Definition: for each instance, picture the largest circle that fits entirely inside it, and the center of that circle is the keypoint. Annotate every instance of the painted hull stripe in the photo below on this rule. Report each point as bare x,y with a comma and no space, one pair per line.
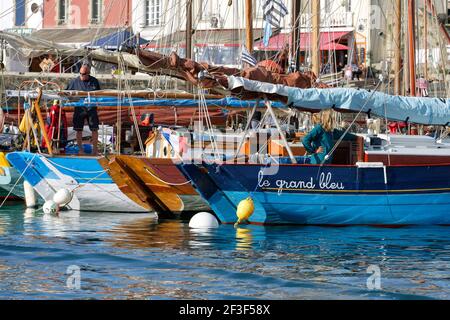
357,191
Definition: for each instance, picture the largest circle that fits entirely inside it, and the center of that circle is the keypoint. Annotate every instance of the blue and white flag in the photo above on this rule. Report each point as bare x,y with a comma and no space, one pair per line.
267,33
273,12
247,57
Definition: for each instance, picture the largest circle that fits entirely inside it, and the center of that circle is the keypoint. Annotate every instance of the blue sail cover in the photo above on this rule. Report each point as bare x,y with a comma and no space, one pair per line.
115,40
430,111
137,102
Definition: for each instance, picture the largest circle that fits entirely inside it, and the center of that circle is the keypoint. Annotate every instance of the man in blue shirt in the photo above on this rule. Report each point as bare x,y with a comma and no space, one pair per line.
85,82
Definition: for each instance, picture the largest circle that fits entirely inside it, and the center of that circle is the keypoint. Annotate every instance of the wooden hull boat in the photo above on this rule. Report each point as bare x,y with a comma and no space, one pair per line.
92,186
351,192
155,183
117,184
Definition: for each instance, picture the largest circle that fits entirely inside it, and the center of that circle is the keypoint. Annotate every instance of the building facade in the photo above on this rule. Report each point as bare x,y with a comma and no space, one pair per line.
219,28
352,31
80,14
78,22
22,17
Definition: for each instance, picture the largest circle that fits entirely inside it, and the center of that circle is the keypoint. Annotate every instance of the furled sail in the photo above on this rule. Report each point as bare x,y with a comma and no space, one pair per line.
430,111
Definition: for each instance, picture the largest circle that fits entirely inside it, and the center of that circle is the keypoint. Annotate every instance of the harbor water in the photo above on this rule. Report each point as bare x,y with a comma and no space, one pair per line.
126,256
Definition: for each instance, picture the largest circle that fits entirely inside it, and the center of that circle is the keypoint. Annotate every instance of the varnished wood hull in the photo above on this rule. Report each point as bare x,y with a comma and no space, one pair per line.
156,184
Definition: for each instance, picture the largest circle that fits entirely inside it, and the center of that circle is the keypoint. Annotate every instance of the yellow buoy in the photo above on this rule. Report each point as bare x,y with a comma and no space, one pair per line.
244,210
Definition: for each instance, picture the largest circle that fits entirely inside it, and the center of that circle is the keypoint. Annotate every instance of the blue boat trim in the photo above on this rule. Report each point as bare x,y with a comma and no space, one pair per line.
82,170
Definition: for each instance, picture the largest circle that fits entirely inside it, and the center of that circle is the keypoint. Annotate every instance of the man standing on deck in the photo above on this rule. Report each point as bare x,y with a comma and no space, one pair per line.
85,82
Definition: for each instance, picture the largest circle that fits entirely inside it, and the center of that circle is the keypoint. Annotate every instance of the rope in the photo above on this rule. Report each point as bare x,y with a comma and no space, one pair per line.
89,181
73,170
168,183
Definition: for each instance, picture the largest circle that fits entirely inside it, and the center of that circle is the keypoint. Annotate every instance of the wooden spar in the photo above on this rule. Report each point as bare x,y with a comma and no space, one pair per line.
37,109
398,47
189,29
188,37
405,86
249,25
137,94
425,38
295,36
412,47
315,37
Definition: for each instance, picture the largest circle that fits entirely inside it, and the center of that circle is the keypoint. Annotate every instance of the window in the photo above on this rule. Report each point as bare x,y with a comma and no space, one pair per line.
63,11
96,11
153,12
448,17
20,13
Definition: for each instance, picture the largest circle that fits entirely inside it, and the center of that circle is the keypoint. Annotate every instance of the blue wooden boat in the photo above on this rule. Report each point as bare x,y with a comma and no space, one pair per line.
327,195
359,193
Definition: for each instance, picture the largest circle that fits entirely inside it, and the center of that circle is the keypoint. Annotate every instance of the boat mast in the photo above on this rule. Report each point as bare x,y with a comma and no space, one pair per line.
249,25
425,37
398,47
315,54
295,36
189,36
188,29
412,47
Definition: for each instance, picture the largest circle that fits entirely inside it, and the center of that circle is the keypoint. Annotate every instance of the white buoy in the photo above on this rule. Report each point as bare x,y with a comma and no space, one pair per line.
62,197
203,220
50,207
30,195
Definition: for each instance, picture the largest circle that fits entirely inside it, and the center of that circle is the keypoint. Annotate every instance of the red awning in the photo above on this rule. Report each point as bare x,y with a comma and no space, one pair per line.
328,41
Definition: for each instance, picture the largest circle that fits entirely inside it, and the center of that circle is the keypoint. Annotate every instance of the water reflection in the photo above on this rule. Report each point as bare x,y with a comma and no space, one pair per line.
58,225
135,256
244,239
145,233
3,225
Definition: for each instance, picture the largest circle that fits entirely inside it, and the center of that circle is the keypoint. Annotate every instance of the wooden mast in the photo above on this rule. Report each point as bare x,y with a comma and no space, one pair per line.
398,47
188,36
315,49
412,47
425,37
249,25
189,29
295,36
